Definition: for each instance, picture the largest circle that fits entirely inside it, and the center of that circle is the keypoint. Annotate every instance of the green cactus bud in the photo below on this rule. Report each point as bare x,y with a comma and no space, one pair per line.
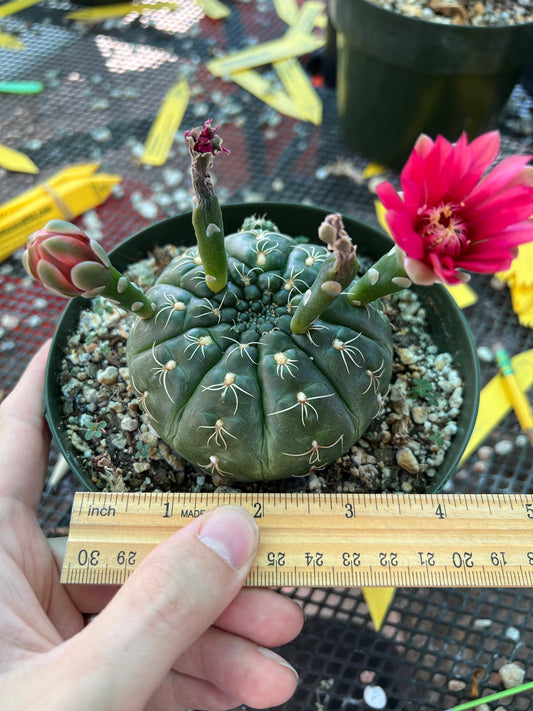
232,388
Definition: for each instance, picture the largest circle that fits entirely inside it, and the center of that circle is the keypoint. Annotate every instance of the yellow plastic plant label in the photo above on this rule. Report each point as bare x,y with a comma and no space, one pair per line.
25,200
256,84
287,10
104,12
16,161
463,295
265,53
307,18
213,9
166,124
10,42
66,200
519,278
378,601
10,8
494,403
299,90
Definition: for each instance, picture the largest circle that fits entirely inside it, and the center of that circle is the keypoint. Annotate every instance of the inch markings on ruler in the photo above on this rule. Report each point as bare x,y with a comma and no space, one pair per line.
321,540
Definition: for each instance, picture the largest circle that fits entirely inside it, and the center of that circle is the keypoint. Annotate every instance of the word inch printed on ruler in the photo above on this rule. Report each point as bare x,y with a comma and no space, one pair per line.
321,540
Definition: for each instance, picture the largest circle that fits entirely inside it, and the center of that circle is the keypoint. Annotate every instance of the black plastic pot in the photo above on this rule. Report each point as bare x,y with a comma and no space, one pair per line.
399,76
446,322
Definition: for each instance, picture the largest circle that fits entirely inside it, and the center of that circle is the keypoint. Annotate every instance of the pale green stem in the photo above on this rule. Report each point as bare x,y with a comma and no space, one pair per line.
207,223
336,273
386,276
114,286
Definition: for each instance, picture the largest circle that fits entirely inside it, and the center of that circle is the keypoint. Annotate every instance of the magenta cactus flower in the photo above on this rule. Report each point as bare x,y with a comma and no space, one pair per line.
453,214
68,263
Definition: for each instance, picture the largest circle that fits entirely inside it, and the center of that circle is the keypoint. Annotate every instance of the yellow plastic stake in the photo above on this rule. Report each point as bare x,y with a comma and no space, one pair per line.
378,601
287,10
10,8
59,198
10,42
166,124
266,53
256,84
104,12
213,9
299,89
16,161
494,403
307,18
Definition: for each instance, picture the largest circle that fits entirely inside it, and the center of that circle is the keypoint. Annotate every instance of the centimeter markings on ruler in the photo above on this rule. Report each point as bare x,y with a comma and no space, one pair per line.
321,540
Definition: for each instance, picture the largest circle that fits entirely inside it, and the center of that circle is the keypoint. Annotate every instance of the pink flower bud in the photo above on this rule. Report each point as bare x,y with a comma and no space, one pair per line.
59,252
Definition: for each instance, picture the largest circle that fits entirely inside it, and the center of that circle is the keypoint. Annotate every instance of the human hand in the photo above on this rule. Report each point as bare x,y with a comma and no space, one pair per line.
179,634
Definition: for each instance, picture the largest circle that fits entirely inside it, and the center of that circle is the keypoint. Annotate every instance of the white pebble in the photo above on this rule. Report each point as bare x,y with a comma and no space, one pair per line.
107,376
407,460
485,354
511,675
129,424
512,633
375,697
482,623
485,453
9,322
503,447
172,177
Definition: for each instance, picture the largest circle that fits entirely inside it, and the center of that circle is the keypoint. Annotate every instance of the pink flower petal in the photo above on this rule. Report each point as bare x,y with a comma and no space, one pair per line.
419,272
404,235
496,180
389,197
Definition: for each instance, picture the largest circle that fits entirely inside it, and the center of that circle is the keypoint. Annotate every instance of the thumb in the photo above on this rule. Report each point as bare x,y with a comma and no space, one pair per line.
175,594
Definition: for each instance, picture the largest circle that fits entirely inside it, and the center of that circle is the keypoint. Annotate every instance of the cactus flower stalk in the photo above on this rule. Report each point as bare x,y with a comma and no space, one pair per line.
204,145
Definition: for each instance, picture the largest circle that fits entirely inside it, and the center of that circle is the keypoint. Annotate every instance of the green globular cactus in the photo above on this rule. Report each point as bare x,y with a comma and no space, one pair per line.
232,387
254,355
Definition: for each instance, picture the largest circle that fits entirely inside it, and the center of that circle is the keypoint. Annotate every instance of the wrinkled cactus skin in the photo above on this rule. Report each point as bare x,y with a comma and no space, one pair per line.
228,385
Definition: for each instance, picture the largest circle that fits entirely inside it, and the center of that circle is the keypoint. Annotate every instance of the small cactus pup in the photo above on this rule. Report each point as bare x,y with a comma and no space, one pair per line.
249,359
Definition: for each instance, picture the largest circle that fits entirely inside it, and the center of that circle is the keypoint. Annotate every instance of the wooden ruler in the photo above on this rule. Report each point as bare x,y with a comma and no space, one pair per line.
322,540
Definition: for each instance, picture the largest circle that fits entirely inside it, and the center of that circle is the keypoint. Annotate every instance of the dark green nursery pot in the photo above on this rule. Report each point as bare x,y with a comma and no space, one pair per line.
398,77
447,324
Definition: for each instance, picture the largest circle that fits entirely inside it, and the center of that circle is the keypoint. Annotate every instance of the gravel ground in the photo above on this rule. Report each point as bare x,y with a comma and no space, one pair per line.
401,450
490,13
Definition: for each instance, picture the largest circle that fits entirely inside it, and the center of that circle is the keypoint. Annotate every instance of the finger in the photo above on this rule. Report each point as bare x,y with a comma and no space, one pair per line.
22,425
255,675
179,692
88,599
174,595
263,616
